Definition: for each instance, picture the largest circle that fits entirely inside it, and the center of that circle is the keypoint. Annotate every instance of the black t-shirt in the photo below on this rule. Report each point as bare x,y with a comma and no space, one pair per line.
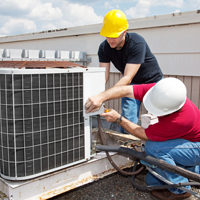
135,51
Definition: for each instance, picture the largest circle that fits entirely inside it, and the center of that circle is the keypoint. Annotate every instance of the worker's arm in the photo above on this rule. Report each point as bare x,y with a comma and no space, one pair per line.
107,66
132,128
129,73
94,103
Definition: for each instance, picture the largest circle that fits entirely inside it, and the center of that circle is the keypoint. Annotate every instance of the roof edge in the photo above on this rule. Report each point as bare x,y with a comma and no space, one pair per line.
180,18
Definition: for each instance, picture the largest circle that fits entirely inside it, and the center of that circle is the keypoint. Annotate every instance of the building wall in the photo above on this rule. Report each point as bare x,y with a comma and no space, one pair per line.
174,39
192,84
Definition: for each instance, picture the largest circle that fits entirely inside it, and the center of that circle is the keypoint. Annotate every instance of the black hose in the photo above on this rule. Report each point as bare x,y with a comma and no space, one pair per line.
151,160
147,188
109,157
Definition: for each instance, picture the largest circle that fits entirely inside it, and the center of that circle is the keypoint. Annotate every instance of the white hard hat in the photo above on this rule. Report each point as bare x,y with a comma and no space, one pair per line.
167,96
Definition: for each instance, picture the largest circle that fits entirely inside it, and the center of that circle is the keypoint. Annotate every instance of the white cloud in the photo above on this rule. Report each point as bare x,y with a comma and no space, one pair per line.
17,25
13,7
76,14
170,3
191,4
107,5
176,11
141,9
73,14
112,5
49,26
18,17
46,11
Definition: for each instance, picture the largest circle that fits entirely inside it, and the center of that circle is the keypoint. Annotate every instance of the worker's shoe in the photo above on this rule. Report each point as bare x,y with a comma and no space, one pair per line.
167,195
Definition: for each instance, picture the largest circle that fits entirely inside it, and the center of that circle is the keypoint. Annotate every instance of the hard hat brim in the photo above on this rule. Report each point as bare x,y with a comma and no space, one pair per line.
111,35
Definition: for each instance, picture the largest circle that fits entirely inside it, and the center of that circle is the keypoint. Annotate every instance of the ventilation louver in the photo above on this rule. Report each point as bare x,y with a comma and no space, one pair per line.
43,126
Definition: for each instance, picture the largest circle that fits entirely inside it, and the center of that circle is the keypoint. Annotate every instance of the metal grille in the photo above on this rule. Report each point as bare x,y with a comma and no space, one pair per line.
42,124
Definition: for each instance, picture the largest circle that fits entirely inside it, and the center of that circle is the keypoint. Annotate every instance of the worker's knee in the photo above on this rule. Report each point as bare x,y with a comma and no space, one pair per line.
152,147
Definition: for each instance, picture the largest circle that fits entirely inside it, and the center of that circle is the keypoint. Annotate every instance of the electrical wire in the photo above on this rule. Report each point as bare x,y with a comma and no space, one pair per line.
153,161
102,139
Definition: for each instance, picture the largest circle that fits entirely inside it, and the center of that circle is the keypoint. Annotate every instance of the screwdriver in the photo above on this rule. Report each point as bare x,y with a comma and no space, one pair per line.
106,110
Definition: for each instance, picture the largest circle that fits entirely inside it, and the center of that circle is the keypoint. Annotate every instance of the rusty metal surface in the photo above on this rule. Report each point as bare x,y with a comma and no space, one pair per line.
38,64
79,183
113,187
64,180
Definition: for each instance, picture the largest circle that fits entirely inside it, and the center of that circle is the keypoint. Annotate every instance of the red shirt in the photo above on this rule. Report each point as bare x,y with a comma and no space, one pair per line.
184,123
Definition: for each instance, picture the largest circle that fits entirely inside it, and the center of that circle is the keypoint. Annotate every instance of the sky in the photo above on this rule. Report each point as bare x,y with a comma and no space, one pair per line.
28,16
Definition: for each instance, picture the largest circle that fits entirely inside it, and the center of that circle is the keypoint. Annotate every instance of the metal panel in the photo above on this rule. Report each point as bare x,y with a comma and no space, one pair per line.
42,124
64,180
31,54
179,63
12,53
93,84
43,55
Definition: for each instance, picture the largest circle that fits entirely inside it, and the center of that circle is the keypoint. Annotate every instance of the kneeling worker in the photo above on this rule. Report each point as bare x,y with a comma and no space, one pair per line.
175,138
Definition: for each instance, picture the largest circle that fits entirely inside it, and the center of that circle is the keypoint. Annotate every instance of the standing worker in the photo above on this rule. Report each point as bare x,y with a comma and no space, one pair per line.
131,55
174,137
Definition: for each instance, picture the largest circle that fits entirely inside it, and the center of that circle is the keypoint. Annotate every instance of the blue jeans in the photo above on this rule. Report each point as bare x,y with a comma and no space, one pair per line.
177,152
130,110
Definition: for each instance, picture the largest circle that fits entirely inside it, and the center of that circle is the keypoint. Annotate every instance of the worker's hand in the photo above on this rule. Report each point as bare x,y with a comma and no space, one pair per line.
93,104
111,116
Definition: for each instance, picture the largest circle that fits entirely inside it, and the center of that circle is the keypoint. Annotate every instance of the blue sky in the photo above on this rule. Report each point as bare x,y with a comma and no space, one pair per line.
27,16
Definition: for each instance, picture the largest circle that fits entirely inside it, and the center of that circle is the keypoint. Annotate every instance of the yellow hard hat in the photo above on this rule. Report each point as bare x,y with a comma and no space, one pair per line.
114,24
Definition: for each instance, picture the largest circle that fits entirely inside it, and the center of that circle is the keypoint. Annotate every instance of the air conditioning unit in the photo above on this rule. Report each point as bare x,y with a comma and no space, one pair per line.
43,125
